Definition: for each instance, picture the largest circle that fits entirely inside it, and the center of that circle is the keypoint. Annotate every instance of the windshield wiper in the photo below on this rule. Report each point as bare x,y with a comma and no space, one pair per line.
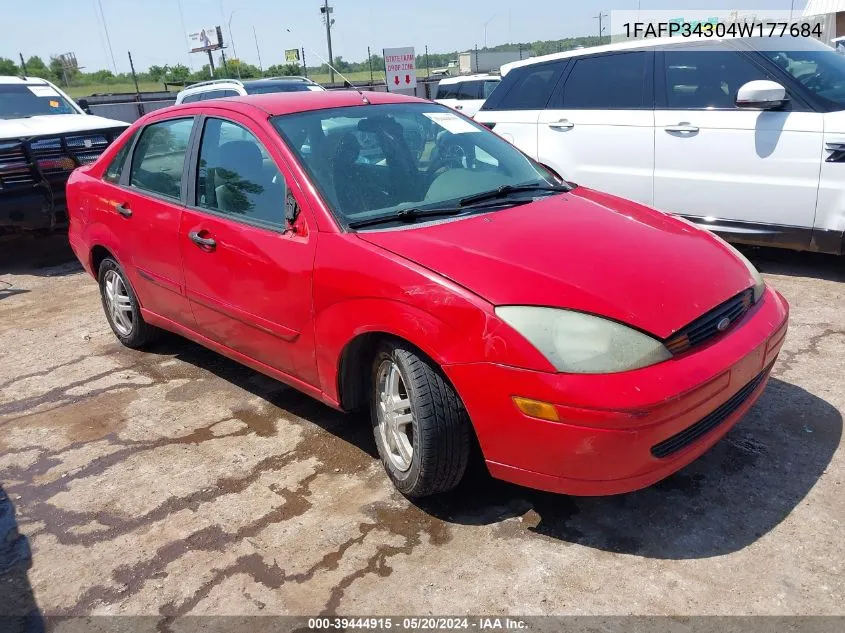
406,215
505,190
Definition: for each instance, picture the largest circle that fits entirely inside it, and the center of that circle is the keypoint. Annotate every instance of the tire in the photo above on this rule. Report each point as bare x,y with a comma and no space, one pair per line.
424,408
128,326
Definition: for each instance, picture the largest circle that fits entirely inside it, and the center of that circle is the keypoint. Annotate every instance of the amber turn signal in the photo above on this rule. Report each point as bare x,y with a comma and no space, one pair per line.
536,409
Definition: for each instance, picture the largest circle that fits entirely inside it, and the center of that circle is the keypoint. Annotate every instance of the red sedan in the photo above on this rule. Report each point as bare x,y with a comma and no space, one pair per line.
384,252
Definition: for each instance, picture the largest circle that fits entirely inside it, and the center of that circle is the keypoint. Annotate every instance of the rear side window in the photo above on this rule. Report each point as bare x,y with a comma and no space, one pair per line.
526,88
447,91
607,82
469,90
159,157
115,168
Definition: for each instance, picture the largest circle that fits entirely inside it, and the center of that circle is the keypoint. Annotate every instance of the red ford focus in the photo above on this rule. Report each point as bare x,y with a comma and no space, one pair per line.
385,252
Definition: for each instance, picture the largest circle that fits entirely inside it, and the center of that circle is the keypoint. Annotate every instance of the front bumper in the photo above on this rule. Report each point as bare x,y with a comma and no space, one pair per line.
39,206
613,426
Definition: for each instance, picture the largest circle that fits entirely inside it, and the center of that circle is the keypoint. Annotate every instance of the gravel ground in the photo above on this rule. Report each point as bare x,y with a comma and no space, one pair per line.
177,482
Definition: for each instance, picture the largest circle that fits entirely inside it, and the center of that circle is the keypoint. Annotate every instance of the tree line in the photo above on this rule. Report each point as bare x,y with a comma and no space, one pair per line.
179,73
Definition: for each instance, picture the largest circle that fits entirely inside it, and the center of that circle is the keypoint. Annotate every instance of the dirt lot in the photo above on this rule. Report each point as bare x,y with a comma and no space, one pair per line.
177,482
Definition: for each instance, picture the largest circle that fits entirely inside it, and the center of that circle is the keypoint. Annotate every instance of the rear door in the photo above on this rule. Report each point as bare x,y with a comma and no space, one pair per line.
470,97
447,94
598,129
248,279
145,211
512,110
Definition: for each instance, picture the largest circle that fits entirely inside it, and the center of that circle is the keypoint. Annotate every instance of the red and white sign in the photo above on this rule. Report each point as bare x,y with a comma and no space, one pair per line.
400,68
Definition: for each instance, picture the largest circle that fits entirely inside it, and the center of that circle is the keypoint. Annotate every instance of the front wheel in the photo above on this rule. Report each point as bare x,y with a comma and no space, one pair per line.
422,429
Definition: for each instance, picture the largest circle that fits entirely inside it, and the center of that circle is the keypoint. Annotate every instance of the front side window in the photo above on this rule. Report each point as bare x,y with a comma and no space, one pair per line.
197,96
469,90
18,101
820,69
606,82
379,160
237,177
706,79
447,91
159,157
489,87
115,168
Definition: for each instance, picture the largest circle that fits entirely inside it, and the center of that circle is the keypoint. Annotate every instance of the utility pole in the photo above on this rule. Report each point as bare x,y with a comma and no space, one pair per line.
135,80
599,17
257,49
210,63
370,62
108,39
427,65
304,65
23,65
327,11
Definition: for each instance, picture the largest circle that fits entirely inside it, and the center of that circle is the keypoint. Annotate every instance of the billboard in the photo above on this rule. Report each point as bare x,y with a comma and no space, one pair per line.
400,69
209,39
292,56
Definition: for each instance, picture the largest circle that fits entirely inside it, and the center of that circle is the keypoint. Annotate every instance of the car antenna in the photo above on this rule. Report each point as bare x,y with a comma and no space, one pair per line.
342,76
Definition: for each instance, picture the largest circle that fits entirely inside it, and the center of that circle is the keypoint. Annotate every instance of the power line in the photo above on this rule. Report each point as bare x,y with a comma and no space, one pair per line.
108,39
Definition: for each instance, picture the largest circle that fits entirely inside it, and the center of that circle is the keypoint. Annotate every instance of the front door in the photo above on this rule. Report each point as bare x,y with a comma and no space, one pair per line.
738,171
598,129
247,278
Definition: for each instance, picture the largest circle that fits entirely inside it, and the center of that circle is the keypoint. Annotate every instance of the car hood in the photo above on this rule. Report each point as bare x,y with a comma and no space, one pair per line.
581,250
54,124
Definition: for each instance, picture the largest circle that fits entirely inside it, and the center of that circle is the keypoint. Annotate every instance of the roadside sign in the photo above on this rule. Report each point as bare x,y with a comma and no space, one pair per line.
292,56
209,39
400,68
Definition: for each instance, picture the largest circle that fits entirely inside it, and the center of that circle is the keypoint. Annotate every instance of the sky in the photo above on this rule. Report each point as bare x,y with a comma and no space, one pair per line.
154,31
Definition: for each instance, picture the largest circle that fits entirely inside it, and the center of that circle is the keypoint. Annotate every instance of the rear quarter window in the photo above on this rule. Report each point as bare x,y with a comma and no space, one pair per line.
527,87
447,91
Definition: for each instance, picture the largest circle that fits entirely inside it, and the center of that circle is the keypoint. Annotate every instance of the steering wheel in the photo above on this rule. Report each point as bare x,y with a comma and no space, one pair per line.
450,153
812,82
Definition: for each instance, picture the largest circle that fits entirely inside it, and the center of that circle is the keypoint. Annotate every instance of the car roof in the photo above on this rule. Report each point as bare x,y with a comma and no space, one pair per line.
461,78
292,102
23,81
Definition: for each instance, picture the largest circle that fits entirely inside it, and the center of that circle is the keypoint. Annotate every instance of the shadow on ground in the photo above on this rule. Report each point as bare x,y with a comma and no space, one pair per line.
41,255
778,261
734,494
19,612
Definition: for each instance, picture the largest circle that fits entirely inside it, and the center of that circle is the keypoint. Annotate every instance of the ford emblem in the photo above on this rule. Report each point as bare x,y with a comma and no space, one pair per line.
723,324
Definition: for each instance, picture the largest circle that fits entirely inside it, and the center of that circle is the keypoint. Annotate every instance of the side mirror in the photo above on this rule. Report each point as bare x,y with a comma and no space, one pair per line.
291,212
761,94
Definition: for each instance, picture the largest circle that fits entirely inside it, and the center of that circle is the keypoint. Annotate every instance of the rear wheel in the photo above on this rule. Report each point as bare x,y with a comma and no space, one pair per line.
421,427
121,306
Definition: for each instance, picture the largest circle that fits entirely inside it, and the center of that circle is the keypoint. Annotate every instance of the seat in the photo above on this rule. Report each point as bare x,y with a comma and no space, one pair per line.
239,177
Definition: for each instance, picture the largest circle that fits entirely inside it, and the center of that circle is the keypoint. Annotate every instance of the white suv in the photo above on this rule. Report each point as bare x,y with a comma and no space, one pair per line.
745,137
218,88
467,93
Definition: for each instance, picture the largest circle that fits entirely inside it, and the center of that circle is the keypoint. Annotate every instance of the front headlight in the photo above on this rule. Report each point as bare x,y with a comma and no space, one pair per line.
759,283
580,343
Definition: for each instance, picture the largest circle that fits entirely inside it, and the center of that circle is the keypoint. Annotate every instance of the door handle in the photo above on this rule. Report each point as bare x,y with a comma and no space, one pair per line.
563,124
123,210
204,242
681,127
459,107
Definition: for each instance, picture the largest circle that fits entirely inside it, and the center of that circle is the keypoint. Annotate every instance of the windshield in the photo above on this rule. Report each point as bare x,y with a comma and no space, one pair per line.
282,86
21,101
818,67
377,160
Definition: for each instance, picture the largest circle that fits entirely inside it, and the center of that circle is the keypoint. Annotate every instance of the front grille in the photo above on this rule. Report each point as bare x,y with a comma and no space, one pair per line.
14,165
708,422
707,326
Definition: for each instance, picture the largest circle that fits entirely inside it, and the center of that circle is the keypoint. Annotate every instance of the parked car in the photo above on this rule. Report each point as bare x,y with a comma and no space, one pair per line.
466,94
745,136
44,136
589,344
218,88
